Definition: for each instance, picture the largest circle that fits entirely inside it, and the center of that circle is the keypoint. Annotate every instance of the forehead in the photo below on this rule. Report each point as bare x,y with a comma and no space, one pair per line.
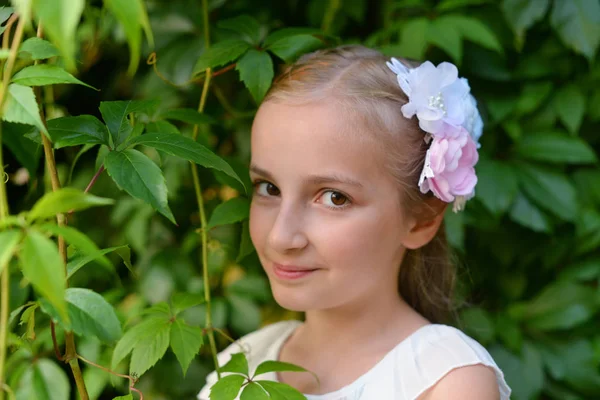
315,138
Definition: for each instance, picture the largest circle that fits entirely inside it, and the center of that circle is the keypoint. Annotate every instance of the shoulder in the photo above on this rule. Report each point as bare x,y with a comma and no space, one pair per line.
446,361
475,382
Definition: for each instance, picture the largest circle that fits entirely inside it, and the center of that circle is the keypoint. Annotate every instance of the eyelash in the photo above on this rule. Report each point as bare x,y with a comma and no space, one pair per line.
258,182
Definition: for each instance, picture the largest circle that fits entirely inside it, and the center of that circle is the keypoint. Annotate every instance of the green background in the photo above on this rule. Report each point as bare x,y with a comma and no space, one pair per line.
527,245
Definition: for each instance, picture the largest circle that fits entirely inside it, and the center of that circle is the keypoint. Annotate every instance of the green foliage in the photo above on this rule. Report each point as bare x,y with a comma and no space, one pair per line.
529,238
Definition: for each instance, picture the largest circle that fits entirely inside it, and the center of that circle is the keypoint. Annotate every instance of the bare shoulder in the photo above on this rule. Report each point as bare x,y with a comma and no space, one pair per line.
474,382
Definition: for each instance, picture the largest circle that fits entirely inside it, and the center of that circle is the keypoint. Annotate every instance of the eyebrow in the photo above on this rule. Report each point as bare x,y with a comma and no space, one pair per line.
312,179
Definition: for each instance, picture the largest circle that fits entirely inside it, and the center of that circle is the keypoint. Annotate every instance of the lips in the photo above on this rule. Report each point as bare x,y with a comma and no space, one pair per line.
288,272
293,268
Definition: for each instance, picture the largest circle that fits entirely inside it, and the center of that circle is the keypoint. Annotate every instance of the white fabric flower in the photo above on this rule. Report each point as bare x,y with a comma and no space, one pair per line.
436,95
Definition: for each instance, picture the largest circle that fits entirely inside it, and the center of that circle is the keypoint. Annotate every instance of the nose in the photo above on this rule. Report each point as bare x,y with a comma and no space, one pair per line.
287,233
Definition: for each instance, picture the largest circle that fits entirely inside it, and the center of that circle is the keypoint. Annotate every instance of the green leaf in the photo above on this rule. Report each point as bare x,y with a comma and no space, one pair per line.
131,14
183,301
256,71
497,185
446,5
281,391
526,214
245,314
474,30
414,38
577,22
569,104
115,115
291,47
44,380
253,391
25,151
185,342
73,131
79,262
522,14
220,54
64,200
248,27
479,323
186,148
43,267
37,49
246,246
588,231
149,349
135,173
126,397
532,96
550,190
133,336
227,388
446,36
60,19
21,107
189,116
277,366
251,286
288,32
238,364
555,147
5,13
45,74
90,315
77,239
9,240
229,212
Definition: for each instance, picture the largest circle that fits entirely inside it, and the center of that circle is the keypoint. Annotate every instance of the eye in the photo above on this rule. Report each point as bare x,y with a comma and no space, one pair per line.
266,189
335,200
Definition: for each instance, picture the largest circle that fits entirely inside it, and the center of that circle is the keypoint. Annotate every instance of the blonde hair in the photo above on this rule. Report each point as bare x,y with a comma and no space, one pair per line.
358,79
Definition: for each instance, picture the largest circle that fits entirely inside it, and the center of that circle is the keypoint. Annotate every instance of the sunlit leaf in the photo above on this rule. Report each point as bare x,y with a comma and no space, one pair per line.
60,19
185,343
21,107
253,391
237,364
9,240
131,14
135,335
227,388
64,200
45,74
90,315
149,349
281,391
43,267
77,239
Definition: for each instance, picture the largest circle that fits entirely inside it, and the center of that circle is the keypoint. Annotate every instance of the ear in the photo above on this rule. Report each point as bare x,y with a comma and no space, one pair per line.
424,230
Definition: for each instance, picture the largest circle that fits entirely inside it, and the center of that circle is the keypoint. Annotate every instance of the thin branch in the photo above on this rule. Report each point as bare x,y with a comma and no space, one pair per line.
132,380
55,343
94,179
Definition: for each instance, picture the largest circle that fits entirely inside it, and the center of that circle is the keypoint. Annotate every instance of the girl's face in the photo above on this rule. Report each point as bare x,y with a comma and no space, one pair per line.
323,201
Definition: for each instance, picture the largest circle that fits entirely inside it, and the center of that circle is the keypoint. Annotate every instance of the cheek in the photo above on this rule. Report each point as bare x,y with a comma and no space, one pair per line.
259,225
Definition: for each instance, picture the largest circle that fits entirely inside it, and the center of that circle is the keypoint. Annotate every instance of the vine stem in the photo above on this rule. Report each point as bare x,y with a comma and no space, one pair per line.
5,278
132,381
200,200
70,356
94,179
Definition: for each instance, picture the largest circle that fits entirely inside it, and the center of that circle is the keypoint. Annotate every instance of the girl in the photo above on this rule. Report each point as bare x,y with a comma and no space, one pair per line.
354,161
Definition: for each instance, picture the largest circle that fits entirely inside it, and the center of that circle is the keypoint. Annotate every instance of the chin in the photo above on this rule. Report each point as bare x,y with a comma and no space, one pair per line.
293,299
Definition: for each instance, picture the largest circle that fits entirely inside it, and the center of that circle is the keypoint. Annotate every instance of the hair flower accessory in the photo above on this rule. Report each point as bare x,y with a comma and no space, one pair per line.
448,113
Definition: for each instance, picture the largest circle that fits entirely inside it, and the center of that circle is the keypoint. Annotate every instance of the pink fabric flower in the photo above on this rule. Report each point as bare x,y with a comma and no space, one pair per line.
449,167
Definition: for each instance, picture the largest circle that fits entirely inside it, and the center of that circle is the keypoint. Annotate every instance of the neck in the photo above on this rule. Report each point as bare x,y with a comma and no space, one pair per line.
379,316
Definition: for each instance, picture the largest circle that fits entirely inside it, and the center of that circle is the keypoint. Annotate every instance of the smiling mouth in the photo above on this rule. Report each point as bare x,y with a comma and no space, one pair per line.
292,272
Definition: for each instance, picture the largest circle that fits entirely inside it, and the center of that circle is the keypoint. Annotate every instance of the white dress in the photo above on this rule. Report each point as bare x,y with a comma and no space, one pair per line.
407,371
